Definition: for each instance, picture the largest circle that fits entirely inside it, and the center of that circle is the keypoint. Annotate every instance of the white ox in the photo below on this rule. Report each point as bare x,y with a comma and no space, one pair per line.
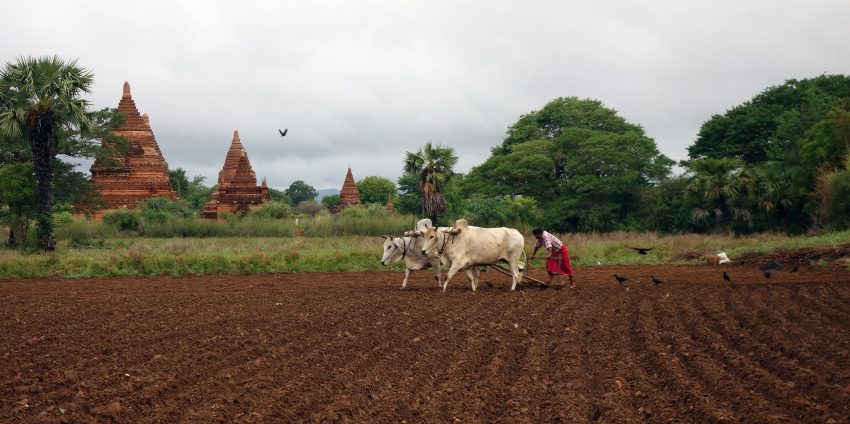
409,249
465,247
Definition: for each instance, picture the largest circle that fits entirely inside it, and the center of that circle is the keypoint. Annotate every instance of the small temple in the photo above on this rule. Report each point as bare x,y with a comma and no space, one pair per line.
237,185
390,203
125,180
349,195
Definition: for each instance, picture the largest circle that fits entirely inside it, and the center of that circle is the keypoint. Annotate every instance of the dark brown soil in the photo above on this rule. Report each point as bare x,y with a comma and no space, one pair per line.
353,347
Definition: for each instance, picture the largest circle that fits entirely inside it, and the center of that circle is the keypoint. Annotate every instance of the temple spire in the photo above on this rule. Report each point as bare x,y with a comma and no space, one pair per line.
126,94
349,195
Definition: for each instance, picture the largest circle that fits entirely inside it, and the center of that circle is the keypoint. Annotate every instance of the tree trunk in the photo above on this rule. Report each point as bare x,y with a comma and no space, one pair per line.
17,231
43,145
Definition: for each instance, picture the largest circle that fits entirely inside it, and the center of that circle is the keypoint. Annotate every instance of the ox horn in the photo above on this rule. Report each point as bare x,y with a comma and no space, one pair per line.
453,231
387,237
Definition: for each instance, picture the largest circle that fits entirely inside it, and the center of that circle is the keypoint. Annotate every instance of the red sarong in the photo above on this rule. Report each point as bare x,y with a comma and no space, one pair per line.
559,263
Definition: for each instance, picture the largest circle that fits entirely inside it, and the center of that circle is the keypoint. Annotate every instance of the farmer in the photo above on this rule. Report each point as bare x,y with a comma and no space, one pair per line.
558,262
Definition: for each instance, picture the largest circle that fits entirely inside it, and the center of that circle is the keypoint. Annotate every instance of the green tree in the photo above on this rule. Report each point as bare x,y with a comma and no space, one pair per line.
300,191
433,165
194,192
773,121
39,98
721,184
279,196
585,166
18,197
331,201
374,189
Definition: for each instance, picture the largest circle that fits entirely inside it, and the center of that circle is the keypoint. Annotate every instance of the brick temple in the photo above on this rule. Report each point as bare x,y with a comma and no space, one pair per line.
237,185
349,195
141,174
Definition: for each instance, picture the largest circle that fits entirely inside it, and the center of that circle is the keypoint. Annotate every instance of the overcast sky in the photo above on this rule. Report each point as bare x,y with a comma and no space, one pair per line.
362,82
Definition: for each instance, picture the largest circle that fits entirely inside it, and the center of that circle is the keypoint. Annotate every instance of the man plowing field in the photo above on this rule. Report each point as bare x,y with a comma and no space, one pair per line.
558,262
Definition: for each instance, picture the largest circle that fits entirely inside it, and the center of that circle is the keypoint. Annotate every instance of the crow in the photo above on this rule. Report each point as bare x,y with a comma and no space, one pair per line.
642,250
620,279
726,277
283,133
772,265
655,280
796,268
766,273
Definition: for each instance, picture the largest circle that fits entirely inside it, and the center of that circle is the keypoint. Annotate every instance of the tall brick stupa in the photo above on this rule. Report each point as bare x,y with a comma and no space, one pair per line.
237,185
141,174
349,195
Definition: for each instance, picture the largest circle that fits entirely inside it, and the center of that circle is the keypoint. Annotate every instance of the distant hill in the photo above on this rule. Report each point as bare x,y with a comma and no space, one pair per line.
326,192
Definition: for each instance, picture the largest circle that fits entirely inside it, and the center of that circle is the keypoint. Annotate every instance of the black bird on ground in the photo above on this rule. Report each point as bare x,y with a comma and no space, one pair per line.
796,268
642,250
620,279
772,265
655,280
283,133
766,273
726,277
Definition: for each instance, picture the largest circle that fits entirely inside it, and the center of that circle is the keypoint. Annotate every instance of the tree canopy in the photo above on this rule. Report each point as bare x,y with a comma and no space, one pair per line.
300,191
374,189
586,165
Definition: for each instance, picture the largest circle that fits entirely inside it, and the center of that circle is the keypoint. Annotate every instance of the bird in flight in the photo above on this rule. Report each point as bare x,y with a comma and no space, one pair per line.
620,279
642,250
726,277
655,280
283,133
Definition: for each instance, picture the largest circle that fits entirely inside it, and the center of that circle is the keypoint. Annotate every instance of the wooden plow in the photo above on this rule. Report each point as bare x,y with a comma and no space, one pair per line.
525,279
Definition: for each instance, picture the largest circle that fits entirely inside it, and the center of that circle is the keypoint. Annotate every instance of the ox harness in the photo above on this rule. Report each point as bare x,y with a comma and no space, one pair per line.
446,240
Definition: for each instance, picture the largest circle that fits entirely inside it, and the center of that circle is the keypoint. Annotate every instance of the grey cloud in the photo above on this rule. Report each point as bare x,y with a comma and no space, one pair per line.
360,83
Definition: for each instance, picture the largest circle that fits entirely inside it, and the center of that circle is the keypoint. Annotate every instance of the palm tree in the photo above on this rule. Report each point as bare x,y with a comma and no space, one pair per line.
38,98
720,182
435,167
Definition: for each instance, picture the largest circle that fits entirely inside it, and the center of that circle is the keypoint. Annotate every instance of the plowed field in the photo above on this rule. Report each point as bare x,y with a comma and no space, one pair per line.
353,347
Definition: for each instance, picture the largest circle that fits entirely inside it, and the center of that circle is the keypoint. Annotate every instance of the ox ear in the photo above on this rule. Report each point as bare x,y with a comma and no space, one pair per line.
412,234
387,237
453,231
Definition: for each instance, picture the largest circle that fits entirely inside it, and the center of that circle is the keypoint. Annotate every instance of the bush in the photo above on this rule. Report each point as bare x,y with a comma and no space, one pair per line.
122,220
309,207
273,210
159,209
81,232
837,206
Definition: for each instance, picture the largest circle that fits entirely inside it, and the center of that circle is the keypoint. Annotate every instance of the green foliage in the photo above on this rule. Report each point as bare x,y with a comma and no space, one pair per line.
720,185
432,167
123,220
374,189
330,201
832,193
40,100
773,122
309,207
160,209
194,192
18,197
585,166
300,191
279,196
273,210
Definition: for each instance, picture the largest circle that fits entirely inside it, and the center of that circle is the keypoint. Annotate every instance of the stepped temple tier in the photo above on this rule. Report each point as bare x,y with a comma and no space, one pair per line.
349,195
138,175
237,185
